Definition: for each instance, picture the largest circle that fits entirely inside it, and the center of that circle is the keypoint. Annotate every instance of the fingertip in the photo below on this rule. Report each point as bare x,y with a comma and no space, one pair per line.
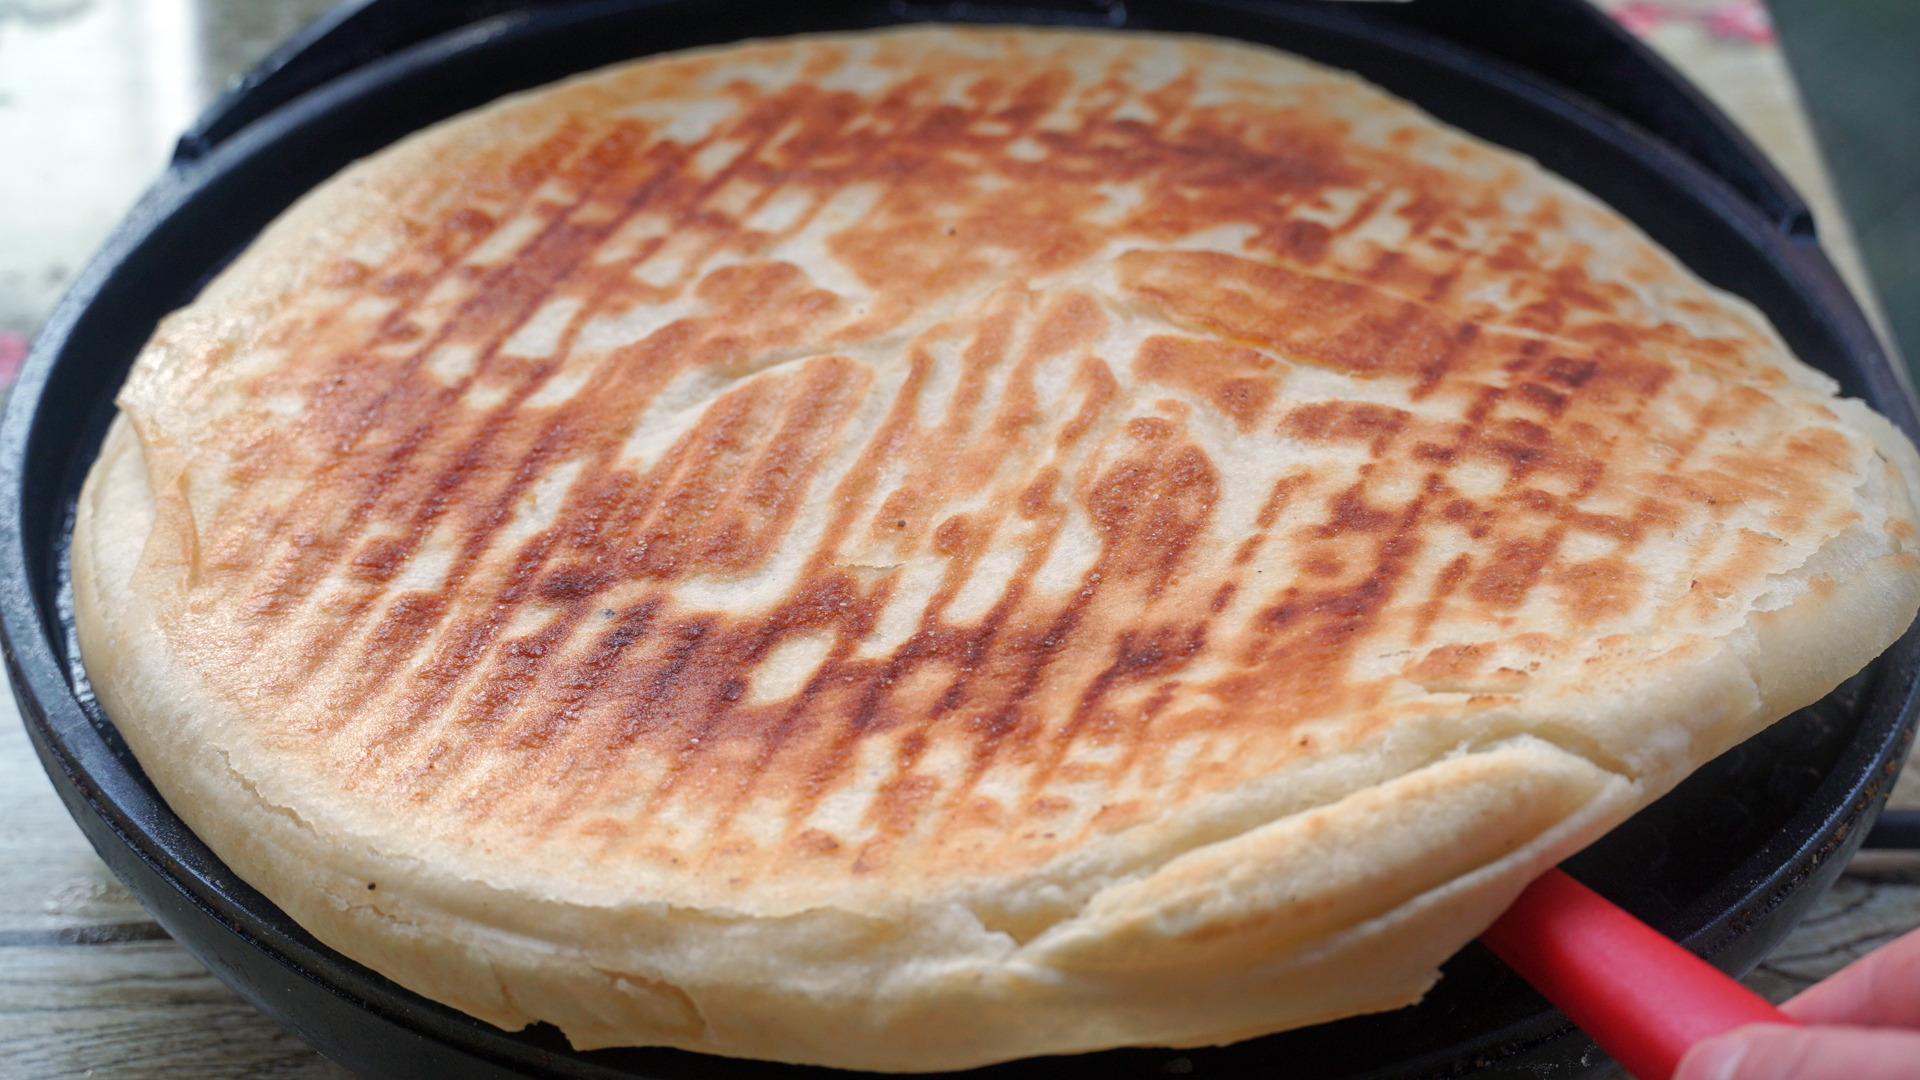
1880,989
1717,1058
1791,1052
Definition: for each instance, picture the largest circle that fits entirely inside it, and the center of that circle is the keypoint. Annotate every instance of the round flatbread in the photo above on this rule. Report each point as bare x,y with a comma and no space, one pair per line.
908,550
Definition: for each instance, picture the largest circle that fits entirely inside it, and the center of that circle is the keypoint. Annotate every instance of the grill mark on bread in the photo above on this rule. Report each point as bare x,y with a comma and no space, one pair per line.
573,254
1197,615
295,579
605,158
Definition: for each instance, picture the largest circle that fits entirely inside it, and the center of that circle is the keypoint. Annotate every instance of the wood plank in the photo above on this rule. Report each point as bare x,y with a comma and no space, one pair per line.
50,879
139,1011
1877,900
90,986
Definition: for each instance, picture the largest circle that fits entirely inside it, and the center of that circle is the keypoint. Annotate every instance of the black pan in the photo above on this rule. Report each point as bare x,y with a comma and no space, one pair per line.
1726,863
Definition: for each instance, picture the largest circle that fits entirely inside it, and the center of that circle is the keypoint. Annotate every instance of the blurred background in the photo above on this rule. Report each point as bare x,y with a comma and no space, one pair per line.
93,94
1857,63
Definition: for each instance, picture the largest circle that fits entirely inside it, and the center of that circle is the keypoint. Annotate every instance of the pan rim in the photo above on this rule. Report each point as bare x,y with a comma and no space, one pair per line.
79,754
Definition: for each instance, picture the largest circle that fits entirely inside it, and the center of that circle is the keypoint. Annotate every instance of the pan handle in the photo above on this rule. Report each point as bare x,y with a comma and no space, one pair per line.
1642,997
1896,830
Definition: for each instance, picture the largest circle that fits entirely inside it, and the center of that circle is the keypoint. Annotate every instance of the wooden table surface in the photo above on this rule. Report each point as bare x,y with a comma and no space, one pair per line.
90,986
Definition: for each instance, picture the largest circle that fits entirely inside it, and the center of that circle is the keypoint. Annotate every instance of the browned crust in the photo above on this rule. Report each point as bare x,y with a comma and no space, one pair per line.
958,462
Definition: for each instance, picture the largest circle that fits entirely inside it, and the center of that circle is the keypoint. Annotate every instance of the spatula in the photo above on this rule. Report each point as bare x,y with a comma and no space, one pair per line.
1641,996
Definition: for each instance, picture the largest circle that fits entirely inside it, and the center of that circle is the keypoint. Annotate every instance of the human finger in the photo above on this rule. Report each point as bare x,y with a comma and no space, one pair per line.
1783,1052
1881,989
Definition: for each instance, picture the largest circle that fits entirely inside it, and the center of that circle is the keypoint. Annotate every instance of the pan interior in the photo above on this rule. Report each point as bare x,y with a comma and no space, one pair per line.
1794,779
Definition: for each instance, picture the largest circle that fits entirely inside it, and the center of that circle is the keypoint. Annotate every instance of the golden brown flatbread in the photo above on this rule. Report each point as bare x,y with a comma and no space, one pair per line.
902,551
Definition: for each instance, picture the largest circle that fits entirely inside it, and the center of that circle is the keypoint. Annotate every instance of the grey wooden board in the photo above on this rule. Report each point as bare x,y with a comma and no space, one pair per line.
1877,900
139,1009
90,986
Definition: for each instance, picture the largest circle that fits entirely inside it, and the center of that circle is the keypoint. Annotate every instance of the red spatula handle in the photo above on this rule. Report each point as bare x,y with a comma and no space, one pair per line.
1643,998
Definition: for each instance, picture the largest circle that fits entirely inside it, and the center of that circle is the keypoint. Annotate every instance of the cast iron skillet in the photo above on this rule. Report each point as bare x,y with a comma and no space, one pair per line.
1726,863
